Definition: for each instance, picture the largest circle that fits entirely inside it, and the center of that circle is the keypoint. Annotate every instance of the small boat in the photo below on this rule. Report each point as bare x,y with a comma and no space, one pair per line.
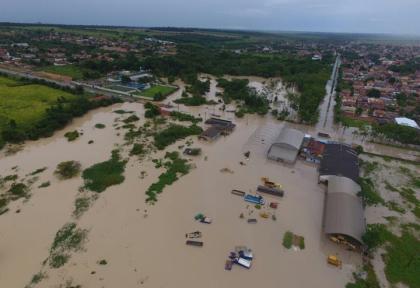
195,243
238,192
252,221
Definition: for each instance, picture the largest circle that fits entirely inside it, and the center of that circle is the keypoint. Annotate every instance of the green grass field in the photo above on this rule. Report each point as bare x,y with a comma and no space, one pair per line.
67,70
151,92
25,103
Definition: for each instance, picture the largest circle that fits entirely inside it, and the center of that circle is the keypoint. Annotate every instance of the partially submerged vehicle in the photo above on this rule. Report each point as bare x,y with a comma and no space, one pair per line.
266,181
195,234
255,199
203,219
243,262
242,256
333,260
252,221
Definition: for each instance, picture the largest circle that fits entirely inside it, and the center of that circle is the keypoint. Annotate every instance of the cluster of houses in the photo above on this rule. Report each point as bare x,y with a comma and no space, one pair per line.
76,48
374,88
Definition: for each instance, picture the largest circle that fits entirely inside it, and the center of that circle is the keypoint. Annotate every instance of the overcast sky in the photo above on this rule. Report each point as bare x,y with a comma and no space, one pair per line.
383,16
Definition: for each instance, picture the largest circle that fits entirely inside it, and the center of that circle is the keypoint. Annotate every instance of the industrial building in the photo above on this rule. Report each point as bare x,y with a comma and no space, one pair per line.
343,211
287,145
344,214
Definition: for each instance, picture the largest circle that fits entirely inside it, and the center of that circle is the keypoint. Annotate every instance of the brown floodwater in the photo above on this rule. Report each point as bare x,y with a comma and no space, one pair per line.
150,251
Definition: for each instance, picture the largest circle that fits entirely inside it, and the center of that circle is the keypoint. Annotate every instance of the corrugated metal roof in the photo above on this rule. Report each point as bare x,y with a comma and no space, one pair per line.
343,209
287,145
291,137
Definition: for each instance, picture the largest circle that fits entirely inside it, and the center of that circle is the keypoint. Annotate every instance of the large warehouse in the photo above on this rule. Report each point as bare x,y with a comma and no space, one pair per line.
287,145
344,214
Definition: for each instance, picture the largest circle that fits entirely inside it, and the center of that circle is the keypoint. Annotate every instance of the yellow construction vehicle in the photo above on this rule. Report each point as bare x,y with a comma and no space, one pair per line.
267,183
333,260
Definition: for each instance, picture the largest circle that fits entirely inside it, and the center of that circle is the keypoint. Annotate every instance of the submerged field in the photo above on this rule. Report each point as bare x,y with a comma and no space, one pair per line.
24,103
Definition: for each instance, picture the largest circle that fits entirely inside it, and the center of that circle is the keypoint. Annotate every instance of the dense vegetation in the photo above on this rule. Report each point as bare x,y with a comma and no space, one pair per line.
174,167
100,176
402,134
173,133
309,76
238,89
68,238
67,169
37,111
402,262
185,117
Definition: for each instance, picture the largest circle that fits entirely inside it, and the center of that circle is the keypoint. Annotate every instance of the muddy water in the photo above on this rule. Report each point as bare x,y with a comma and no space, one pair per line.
150,251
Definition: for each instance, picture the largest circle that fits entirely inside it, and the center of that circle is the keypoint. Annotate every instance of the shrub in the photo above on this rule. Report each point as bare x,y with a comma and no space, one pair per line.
151,110
72,135
131,119
375,235
58,260
368,192
240,113
137,149
19,190
38,171
100,126
67,169
288,239
44,184
302,243
185,117
81,205
103,262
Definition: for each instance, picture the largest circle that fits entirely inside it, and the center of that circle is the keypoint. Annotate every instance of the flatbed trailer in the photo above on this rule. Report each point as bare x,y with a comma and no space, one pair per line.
271,191
194,243
238,192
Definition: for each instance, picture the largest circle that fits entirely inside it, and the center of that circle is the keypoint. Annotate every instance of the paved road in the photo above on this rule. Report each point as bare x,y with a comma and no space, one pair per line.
326,109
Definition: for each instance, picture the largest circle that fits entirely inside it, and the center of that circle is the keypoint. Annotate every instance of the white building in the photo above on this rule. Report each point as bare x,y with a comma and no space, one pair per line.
406,122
